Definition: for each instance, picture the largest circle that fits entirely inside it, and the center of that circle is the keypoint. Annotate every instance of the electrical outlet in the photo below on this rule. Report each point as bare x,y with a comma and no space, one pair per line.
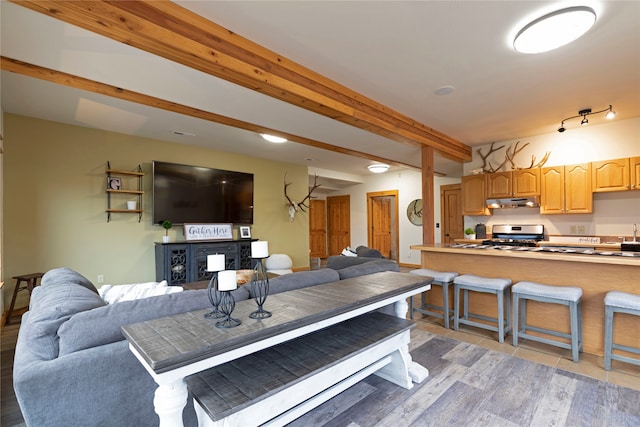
581,230
572,229
100,278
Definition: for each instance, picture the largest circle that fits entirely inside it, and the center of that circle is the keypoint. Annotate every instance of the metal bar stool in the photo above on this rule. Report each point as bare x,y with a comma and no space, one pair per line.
442,279
497,286
618,302
565,295
30,282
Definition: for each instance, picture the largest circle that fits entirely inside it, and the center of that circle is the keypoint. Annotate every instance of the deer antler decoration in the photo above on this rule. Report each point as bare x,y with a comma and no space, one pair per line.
516,150
486,165
302,205
541,162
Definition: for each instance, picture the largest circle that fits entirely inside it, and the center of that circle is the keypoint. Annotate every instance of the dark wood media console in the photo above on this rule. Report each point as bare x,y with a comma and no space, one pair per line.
186,262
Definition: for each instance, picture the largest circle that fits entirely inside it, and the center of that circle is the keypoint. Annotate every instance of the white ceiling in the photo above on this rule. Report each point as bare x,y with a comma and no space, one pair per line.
394,52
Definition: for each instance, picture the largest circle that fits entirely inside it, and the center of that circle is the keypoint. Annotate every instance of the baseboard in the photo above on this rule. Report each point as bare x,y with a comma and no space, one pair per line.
410,265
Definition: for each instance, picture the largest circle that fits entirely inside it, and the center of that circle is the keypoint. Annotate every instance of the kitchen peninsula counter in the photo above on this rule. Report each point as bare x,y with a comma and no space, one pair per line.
595,274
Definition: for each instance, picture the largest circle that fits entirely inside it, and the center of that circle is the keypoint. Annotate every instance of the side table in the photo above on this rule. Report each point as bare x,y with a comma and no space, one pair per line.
30,281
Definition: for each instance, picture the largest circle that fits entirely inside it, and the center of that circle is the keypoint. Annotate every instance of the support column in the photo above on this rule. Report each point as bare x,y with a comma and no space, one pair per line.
428,194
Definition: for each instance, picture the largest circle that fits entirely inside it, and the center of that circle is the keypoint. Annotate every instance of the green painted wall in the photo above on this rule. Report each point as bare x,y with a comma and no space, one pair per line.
54,201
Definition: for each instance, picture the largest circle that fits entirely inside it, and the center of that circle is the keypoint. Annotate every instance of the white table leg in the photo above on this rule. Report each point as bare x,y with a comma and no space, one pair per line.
169,402
417,372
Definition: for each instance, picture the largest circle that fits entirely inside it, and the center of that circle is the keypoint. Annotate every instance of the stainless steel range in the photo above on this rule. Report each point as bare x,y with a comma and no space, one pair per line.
515,235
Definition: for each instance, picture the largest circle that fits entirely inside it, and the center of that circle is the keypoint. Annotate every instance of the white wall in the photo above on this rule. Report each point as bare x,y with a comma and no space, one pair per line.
409,186
613,213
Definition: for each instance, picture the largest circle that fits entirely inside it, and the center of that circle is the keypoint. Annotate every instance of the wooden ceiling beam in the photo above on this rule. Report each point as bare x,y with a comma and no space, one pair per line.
168,30
76,82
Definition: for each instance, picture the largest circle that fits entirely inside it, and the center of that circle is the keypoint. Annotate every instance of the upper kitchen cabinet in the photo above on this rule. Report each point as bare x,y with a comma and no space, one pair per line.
566,189
635,173
611,175
474,195
517,183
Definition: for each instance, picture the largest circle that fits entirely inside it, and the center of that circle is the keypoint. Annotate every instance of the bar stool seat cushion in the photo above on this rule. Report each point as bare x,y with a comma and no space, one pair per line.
438,276
622,300
564,293
482,282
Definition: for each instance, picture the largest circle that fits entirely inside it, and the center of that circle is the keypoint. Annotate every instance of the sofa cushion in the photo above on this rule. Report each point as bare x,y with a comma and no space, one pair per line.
301,279
338,262
364,251
66,275
102,325
53,304
368,268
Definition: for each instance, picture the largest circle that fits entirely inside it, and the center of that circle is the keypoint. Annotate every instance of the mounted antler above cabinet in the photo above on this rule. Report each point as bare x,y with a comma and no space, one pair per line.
510,155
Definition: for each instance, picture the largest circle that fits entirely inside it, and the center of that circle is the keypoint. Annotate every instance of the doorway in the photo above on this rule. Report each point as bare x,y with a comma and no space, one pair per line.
451,213
382,223
338,223
318,228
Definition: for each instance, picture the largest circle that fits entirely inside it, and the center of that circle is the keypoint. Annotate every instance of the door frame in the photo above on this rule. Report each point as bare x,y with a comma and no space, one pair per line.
370,197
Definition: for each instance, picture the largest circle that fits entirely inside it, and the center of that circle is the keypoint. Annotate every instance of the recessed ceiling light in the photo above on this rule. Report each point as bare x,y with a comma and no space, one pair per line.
554,29
273,138
444,90
378,168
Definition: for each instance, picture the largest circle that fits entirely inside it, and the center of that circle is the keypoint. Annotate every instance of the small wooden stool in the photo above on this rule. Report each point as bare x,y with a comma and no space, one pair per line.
618,302
31,281
500,287
570,296
442,279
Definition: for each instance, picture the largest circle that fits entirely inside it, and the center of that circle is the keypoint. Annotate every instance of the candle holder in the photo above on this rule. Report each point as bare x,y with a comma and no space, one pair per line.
226,306
260,289
214,298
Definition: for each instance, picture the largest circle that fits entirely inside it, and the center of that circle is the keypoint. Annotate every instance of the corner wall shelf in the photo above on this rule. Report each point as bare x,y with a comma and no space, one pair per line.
119,183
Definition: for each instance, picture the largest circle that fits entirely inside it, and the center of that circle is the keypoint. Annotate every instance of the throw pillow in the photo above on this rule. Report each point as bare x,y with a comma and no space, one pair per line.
118,293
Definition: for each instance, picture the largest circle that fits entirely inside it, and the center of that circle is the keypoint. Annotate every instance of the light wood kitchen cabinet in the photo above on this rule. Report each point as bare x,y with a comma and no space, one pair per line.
566,189
611,175
474,195
499,184
635,173
517,183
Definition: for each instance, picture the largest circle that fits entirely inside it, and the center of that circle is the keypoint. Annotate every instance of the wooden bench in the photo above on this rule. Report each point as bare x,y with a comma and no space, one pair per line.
279,384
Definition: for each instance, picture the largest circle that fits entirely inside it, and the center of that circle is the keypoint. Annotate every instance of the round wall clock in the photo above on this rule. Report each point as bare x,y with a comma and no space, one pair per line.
414,212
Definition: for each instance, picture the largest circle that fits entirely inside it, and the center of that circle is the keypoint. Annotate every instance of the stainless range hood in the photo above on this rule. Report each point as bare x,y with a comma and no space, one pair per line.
515,202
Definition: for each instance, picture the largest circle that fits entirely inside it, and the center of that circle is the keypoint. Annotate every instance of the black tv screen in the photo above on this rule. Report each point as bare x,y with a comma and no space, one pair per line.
186,194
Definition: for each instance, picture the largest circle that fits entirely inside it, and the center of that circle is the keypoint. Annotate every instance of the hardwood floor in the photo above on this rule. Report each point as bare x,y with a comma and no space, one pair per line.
10,415
473,381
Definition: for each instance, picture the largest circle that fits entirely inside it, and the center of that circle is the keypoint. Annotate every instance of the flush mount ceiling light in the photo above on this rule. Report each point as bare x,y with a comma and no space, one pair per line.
273,138
378,168
587,112
554,29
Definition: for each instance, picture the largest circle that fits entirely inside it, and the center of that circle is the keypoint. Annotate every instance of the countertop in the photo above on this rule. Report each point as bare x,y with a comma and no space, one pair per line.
514,252
546,243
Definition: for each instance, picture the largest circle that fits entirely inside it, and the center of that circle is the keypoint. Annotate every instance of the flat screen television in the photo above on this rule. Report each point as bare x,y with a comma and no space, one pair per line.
186,194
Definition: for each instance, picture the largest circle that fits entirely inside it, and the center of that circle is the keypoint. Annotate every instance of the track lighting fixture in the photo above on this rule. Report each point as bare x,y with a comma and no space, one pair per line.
587,112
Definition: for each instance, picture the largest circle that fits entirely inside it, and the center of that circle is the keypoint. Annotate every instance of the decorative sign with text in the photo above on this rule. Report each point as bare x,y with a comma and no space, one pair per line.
194,232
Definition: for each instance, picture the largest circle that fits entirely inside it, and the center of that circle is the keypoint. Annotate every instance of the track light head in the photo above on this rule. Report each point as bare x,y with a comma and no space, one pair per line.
584,121
561,129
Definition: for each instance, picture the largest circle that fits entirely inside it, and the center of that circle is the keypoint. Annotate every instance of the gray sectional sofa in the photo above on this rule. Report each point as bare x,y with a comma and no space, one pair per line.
73,366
